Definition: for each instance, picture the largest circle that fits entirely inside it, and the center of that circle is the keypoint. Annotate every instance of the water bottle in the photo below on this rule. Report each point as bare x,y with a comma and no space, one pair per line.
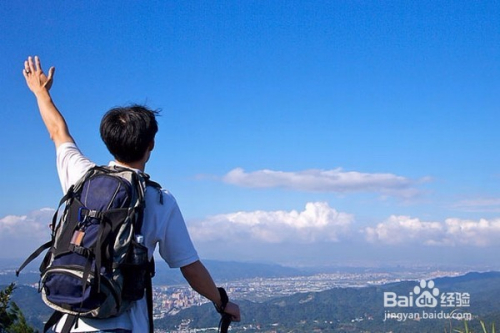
135,270
140,252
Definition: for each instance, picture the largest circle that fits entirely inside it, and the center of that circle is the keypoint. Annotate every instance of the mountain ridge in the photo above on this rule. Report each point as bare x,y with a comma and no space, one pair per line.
352,309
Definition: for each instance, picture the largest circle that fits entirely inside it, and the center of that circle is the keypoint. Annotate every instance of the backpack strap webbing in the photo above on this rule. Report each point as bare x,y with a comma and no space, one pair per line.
149,299
34,255
56,317
102,234
53,320
157,186
68,324
47,245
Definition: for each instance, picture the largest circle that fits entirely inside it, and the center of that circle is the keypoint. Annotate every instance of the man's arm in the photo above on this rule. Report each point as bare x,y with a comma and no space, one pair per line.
200,280
40,84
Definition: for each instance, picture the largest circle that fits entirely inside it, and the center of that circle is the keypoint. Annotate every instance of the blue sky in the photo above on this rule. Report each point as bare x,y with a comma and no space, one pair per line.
295,132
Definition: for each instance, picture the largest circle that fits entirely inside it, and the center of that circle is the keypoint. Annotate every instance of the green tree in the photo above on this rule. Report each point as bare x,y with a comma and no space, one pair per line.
12,319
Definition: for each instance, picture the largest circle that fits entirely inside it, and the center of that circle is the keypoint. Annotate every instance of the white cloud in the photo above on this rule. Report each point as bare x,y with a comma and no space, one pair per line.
317,222
405,230
20,226
453,232
22,234
317,227
315,180
476,233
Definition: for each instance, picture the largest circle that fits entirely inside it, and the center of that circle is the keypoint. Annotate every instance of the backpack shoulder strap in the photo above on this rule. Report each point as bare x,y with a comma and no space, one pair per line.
149,300
155,185
151,267
53,320
71,320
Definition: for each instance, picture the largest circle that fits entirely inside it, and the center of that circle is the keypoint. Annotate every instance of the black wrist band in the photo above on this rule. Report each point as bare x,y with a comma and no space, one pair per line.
224,300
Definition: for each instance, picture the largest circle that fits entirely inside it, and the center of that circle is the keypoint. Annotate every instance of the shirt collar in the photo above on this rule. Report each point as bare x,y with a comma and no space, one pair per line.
115,163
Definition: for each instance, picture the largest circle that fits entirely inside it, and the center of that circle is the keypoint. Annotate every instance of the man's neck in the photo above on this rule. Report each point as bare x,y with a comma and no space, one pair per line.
139,165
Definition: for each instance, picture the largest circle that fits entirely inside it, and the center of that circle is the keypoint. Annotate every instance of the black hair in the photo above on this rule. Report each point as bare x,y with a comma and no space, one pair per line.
128,131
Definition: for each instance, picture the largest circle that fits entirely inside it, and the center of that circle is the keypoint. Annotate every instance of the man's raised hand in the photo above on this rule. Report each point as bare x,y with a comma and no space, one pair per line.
36,79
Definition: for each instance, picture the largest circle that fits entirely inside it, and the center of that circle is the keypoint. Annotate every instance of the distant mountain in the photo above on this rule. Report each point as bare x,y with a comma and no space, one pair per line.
231,270
335,310
360,309
221,271
485,277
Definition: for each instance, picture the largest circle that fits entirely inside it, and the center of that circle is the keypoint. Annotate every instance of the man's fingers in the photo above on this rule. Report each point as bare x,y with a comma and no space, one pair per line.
51,73
31,67
26,69
37,64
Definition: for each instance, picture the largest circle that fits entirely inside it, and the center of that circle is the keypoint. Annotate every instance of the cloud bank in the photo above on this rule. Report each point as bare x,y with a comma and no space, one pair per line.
22,234
318,222
31,225
318,227
404,230
453,232
315,180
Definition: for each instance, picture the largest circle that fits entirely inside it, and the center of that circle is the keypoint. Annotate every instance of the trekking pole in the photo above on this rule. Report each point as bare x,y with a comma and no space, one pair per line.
224,323
225,319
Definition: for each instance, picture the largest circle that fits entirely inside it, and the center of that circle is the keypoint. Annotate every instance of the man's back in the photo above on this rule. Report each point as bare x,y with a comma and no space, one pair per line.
129,134
163,224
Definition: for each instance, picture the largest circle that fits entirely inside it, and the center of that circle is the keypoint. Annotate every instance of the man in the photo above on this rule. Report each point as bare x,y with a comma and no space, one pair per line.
129,136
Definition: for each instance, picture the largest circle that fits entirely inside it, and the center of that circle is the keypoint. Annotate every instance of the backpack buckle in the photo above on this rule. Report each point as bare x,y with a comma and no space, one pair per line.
84,213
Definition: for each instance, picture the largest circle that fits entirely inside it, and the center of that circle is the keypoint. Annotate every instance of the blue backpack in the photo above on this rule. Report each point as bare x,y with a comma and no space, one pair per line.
97,265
